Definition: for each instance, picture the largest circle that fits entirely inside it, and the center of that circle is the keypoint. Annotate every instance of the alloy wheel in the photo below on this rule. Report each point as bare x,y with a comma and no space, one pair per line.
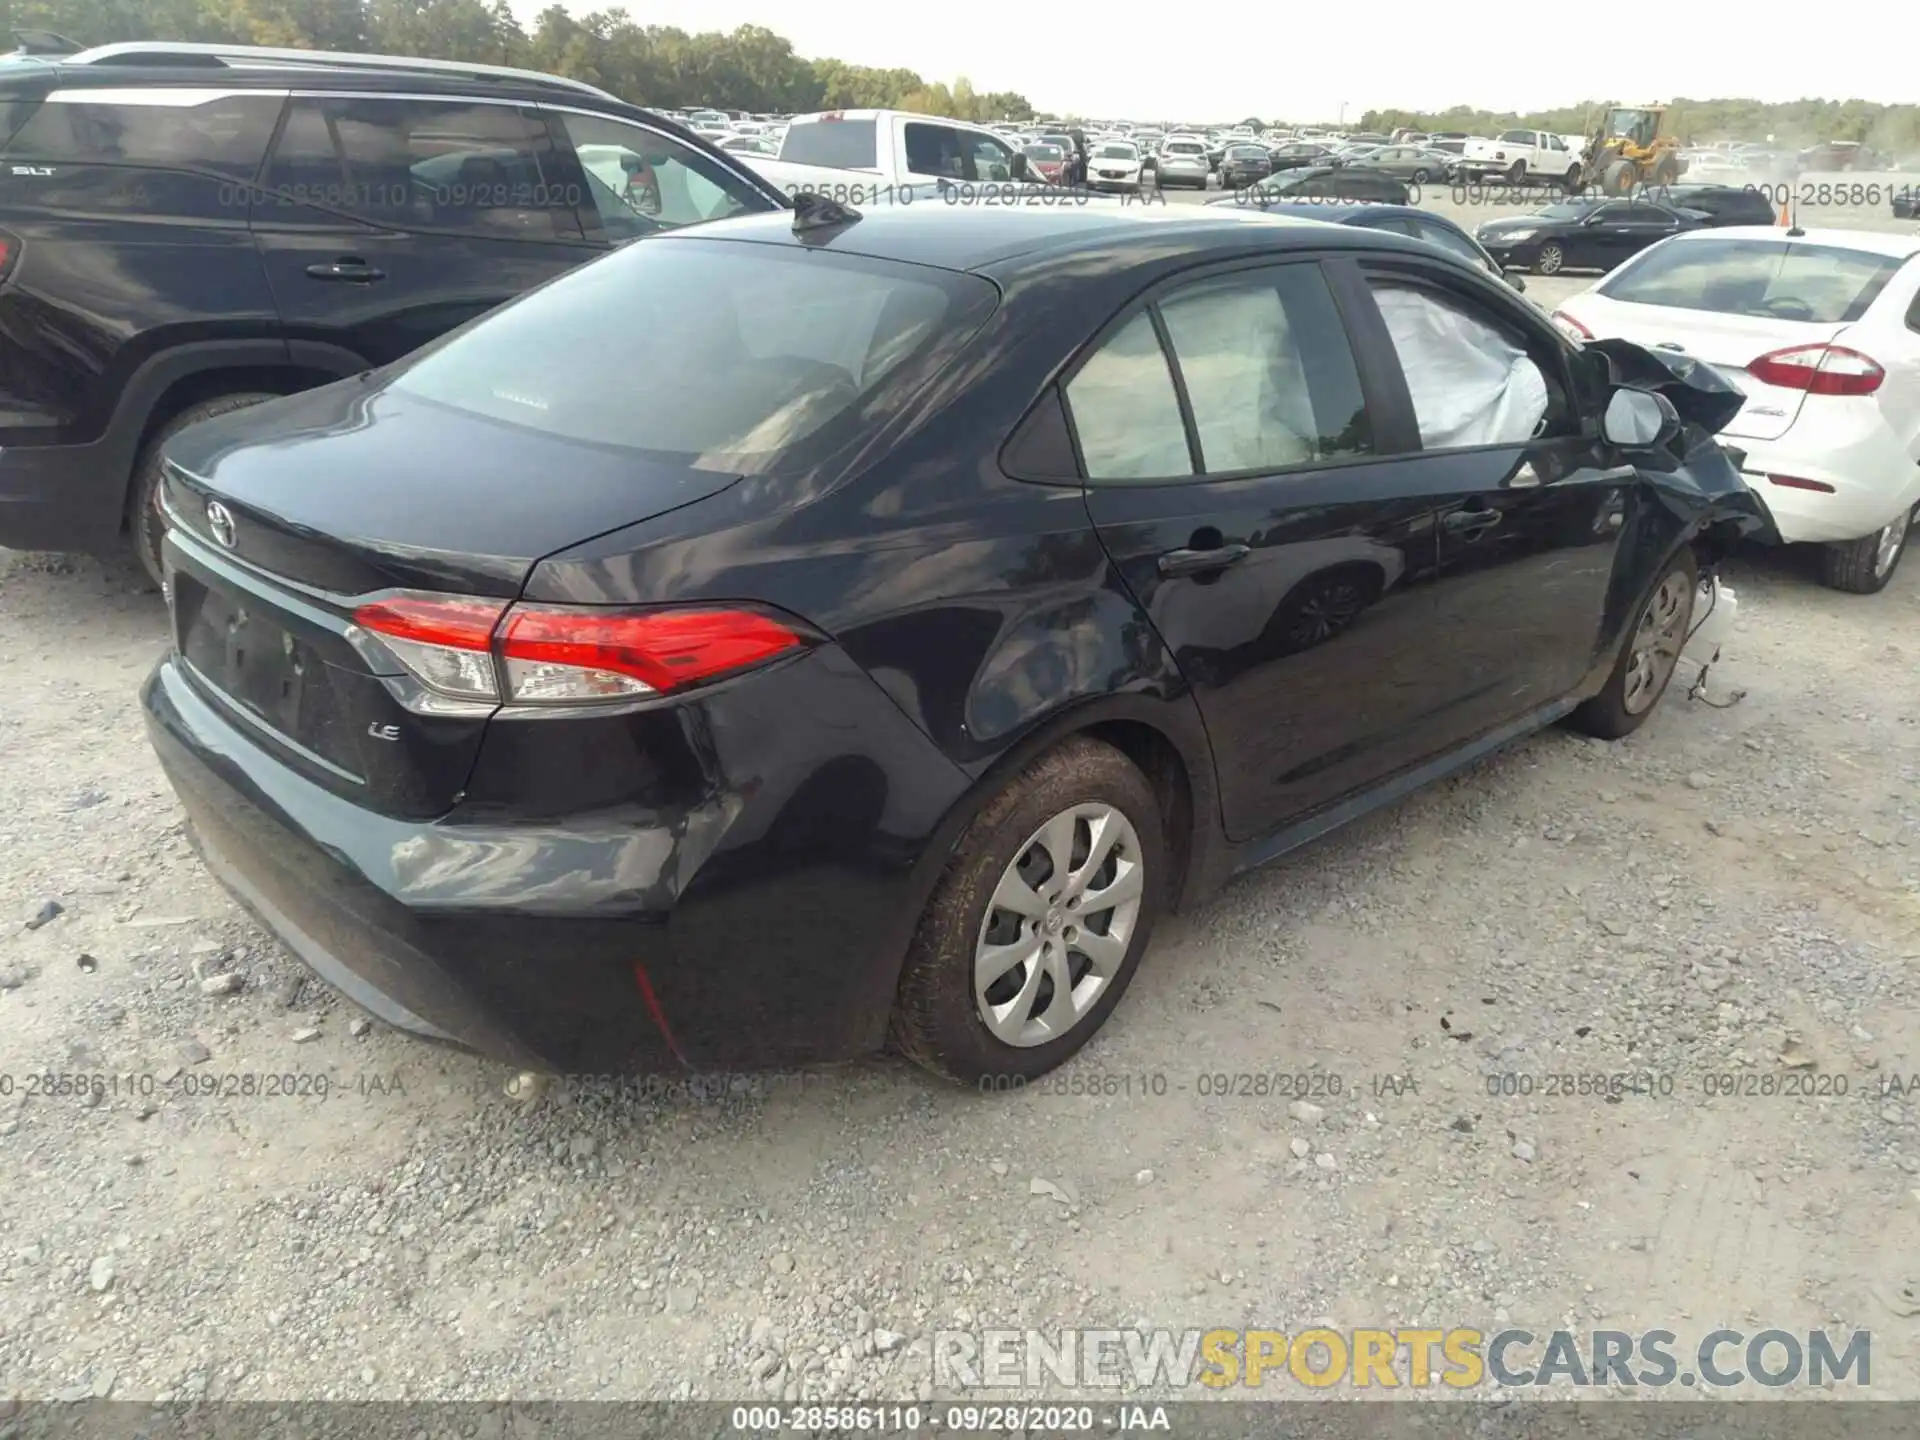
1657,644
1552,257
1058,926
1893,538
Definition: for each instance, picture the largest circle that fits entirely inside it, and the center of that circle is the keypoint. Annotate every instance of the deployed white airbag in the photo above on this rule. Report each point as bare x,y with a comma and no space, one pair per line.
1471,385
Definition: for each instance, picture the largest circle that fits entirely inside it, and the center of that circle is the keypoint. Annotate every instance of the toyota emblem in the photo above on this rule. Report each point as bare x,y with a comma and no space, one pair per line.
220,522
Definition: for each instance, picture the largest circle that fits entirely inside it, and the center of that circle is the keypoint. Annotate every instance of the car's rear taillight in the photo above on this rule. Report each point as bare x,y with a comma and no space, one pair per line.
474,649
9,253
1819,370
1570,327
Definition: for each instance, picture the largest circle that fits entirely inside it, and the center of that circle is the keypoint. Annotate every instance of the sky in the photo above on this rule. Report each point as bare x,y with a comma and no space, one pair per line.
1224,61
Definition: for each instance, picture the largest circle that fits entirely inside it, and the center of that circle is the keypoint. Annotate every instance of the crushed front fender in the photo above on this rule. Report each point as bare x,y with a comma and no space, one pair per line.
1695,476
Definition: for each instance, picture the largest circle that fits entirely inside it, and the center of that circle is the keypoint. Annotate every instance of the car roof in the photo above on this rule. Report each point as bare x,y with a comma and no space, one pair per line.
1879,242
1021,238
1353,213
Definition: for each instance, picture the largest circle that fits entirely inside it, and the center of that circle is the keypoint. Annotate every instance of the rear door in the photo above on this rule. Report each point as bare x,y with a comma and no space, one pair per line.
1530,510
130,209
385,221
1261,518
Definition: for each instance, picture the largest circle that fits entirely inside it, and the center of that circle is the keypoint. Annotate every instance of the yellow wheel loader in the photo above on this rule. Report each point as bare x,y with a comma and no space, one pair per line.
1626,150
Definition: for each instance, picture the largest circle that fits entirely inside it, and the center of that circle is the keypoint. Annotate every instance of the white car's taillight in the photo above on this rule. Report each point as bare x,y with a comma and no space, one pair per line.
1570,327
1819,370
476,649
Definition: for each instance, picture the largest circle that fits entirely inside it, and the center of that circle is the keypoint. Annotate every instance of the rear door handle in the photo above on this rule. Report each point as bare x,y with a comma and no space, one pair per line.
1469,522
347,268
1198,562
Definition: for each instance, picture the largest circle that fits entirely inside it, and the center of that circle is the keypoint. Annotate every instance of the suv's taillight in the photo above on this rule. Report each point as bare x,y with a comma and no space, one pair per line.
9,253
1819,370
474,649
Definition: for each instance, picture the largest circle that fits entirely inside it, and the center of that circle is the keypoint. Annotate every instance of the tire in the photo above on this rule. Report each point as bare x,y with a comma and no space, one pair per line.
1619,178
1419,177
1517,173
144,526
1570,182
1659,633
1550,260
1865,566
938,1020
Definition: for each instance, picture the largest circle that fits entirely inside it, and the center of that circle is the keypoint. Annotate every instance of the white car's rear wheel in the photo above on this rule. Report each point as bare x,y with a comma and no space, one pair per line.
1866,565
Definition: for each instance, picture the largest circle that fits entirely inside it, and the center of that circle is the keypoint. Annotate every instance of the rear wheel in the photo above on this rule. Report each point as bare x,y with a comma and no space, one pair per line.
1419,177
145,524
1550,259
1039,922
1648,659
1864,566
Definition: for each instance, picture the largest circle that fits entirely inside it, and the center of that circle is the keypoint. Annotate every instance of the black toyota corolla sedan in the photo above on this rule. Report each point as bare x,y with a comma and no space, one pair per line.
796,631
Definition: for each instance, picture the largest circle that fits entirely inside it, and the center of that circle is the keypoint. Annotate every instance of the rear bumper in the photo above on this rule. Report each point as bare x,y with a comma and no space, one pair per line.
62,497
1872,476
707,939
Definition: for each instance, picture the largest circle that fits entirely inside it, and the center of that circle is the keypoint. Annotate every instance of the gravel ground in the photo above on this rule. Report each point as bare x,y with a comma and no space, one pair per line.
1733,890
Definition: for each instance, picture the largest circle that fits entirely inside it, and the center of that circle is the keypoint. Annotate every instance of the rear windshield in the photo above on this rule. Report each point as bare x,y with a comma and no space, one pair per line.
1184,147
1117,152
837,144
721,355
1820,284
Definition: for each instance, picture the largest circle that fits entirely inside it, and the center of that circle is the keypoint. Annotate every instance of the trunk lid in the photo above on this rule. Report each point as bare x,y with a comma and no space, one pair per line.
351,488
274,534
1729,343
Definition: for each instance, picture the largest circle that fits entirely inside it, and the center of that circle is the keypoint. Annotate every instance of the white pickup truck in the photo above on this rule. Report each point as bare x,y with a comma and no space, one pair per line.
1521,157
866,156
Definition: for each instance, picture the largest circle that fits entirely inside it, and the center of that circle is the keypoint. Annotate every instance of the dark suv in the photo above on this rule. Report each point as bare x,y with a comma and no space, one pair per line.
189,229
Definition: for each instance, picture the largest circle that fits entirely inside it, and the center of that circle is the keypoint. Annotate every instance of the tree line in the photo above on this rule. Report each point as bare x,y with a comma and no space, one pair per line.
661,66
1791,123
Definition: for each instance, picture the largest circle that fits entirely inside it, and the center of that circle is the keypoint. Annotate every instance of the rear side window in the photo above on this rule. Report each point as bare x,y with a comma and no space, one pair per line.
420,165
1268,370
1125,413
158,129
723,356
837,144
1819,284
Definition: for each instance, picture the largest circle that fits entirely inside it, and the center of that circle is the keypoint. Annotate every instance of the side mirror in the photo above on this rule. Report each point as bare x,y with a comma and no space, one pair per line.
1019,166
1639,420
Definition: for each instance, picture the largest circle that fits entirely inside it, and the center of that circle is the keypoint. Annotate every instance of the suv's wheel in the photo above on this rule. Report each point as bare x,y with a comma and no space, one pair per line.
1038,923
1517,172
1864,566
1648,658
143,503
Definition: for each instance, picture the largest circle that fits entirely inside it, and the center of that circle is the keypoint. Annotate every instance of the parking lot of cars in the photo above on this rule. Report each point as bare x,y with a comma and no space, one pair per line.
683,677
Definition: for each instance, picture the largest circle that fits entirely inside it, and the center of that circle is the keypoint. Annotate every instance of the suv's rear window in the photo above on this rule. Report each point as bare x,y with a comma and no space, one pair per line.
1818,284
723,355
836,144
